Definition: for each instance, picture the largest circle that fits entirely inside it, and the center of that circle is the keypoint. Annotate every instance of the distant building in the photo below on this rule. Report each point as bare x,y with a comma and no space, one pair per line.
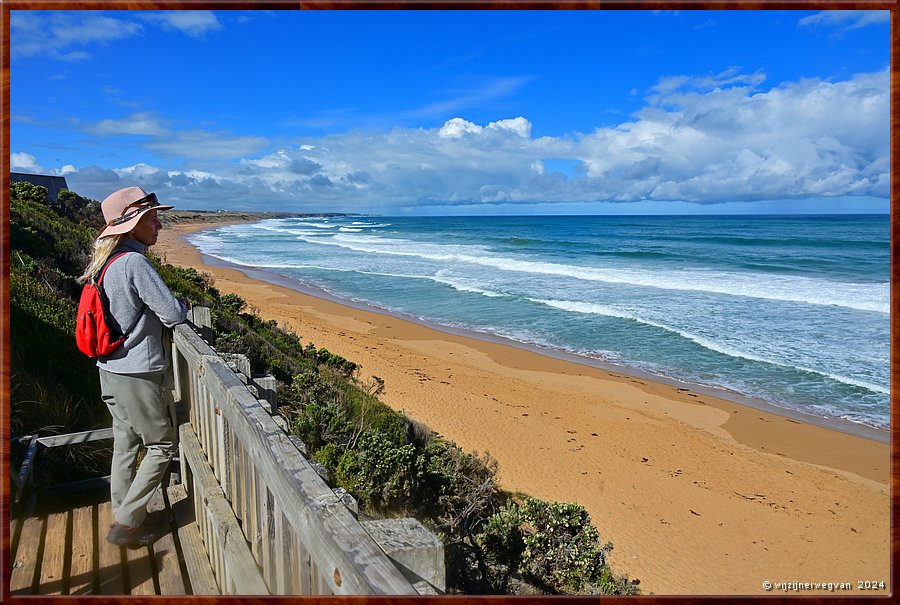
53,184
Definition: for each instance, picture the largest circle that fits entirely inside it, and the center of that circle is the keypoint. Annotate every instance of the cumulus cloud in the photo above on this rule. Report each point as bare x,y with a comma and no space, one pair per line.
24,162
711,139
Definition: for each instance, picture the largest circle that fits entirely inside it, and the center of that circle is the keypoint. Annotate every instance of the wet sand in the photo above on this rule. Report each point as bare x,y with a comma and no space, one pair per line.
699,494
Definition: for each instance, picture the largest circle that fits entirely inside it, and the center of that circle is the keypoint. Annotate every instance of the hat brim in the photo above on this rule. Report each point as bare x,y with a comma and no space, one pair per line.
129,224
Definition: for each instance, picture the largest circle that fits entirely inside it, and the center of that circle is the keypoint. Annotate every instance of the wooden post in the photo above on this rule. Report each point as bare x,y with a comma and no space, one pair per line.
418,553
240,363
265,385
201,319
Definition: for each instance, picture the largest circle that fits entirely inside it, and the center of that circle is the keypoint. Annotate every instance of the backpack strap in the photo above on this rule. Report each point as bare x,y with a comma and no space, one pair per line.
109,261
98,282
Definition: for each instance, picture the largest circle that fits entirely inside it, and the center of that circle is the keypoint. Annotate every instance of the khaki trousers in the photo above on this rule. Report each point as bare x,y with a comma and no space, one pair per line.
143,415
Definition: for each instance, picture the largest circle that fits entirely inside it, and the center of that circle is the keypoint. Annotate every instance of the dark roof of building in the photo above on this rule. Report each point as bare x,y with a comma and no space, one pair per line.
53,184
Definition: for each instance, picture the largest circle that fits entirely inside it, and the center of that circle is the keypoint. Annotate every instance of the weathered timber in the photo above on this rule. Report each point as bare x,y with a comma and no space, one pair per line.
73,438
25,564
239,573
417,552
140,575
196,560
266,387
81,576
300,535
52,575
351,562
111,580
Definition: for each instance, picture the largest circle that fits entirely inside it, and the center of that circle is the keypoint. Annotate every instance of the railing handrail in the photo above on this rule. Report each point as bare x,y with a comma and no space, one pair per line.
346,556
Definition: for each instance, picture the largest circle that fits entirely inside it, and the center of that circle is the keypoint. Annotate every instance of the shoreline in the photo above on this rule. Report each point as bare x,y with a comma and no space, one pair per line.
827,422
664,468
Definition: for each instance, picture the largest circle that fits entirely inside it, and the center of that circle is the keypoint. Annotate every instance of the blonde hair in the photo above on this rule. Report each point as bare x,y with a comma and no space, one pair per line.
103,247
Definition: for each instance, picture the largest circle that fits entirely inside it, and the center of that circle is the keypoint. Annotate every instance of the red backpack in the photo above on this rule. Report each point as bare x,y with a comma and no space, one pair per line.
94,337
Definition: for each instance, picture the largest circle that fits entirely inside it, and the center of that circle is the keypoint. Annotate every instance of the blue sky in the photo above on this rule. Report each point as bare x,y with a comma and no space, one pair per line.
459,112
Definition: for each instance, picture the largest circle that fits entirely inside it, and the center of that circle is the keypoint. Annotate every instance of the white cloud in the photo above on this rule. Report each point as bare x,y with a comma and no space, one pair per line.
457,127
847,19
69,35
706,140
27,163
144,123
519,126
201,145
24,162
61,35
474,95
193,23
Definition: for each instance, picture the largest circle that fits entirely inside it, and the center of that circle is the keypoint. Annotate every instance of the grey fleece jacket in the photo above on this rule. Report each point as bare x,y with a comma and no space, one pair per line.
133,286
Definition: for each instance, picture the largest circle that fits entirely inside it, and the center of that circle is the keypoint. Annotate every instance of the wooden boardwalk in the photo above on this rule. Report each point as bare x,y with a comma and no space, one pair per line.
66,553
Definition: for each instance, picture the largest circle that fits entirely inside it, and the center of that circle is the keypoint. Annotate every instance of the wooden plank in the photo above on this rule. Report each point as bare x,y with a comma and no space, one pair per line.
111,580
267,534
241,570
190,344
53,561
165,553
140,574
237,492
81,576
73,438
303,575
15,532
200,578
219,450
252,529
282,558
22,579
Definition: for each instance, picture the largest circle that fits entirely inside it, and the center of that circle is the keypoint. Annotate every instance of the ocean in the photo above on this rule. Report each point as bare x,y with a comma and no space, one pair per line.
790,310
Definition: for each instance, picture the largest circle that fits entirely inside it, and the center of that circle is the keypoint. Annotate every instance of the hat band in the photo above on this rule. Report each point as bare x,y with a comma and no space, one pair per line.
145,203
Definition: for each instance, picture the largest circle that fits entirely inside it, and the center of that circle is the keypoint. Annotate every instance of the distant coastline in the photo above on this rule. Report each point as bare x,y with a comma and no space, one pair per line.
211,217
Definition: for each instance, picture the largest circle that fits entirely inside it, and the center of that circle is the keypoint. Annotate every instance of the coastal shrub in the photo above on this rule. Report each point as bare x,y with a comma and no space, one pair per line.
36,230
321,424
380,474
188,282
458,486
552,544
81,210
232,303
53,387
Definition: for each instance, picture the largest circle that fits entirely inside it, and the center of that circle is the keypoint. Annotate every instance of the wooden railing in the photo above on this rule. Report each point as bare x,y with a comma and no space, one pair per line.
269,522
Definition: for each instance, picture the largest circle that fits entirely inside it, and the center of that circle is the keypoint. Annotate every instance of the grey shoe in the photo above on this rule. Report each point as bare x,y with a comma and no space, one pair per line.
132,536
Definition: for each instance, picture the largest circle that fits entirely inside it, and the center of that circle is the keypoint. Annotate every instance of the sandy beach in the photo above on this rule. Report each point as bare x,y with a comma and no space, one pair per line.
699,494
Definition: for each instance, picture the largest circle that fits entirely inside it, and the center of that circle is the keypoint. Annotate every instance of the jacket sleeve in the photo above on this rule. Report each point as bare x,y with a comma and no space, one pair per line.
151,289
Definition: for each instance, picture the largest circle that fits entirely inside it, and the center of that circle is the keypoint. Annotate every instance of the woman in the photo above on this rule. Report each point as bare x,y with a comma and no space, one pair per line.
136,380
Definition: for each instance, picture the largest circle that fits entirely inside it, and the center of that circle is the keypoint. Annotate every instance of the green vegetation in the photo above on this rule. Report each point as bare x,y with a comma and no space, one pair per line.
495,542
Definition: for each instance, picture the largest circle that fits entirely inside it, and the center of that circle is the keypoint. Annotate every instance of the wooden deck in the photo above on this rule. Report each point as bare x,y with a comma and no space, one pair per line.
65,552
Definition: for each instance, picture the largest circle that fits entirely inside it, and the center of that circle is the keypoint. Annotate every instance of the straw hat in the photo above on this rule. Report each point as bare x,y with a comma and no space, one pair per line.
124,208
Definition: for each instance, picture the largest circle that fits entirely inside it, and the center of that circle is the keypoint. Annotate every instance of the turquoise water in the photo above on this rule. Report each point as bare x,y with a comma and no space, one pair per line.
790,310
